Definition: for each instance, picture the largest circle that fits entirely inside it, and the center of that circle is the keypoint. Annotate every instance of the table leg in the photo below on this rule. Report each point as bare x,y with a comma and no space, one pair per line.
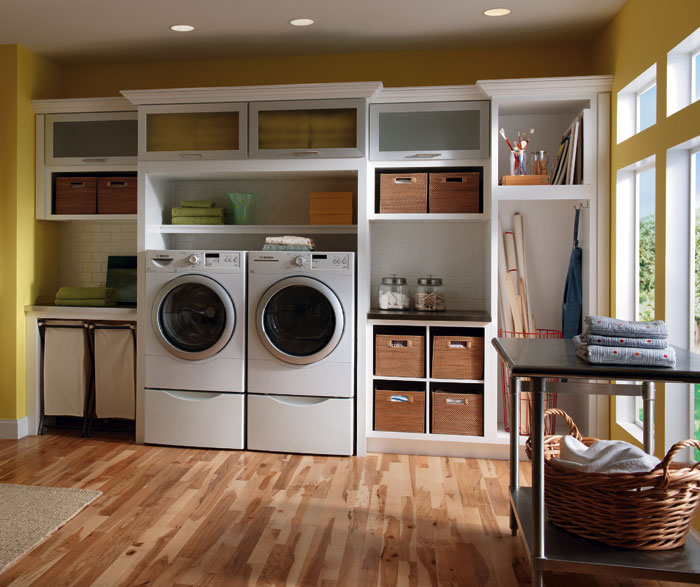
537,429
648,396
514,398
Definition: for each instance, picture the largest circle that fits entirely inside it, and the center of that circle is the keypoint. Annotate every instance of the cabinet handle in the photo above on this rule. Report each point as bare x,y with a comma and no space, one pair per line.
302,153
190,155
95,160
423,155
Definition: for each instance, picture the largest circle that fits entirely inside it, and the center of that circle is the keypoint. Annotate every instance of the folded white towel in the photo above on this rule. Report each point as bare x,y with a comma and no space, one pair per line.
604,456
289,240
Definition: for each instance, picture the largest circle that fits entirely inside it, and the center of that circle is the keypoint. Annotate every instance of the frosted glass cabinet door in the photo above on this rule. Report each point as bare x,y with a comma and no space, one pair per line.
430,130
307,129
193,131
86,139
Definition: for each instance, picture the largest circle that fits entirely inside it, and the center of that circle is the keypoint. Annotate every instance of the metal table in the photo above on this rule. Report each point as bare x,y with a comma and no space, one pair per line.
549,547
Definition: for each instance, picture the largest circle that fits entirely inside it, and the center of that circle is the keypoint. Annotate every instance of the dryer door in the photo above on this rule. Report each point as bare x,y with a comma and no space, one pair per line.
193,317
300,320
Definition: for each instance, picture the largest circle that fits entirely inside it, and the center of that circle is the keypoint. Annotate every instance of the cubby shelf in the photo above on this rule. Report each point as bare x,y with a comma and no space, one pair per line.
257,229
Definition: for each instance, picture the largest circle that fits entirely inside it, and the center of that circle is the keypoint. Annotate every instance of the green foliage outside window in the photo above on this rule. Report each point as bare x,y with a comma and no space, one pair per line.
647,266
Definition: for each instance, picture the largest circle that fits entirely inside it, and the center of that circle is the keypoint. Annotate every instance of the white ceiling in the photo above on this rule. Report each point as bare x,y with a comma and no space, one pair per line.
74,31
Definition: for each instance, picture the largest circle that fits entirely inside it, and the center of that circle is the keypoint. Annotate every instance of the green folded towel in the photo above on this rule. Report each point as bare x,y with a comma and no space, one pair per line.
198,212
197,204
93,302
197,220
86,293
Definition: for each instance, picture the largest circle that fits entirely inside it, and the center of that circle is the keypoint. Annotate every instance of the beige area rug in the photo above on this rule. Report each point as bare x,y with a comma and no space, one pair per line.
28,514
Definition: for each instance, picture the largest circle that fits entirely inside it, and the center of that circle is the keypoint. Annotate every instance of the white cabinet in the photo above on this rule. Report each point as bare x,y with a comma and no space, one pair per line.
308,128
193,131
434,130
90,138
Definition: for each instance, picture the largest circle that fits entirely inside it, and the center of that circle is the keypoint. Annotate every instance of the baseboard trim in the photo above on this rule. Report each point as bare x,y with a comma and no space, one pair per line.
14,429
695,534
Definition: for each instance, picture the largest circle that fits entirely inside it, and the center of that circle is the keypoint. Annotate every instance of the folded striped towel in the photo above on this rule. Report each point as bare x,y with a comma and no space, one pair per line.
614,327
269,247
196,204
197,212
197,220
623,341
612,355
92,302
289,240
86,293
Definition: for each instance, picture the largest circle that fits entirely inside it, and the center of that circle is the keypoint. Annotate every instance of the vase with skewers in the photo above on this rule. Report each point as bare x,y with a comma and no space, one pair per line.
517,150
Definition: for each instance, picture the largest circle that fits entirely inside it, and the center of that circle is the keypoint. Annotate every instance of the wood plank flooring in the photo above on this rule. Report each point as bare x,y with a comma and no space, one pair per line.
180,517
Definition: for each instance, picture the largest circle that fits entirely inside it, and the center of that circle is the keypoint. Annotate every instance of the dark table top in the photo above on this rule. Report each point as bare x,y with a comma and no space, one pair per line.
557,358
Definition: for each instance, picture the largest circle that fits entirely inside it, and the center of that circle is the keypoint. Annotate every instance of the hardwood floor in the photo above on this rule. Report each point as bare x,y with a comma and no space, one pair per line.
176,517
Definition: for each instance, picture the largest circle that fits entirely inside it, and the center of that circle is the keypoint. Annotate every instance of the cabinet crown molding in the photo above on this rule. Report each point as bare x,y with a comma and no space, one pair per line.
72,105
547,86
253,93
428,94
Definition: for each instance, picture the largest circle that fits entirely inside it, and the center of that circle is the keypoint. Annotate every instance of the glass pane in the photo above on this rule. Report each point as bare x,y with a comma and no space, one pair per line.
696,76
647,243
695,199
95,138
647,108
192,317
333,128
429,131
299,320
192,131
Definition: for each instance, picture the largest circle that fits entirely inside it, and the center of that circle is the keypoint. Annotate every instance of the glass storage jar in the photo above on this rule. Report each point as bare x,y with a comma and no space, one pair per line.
430,294
393,294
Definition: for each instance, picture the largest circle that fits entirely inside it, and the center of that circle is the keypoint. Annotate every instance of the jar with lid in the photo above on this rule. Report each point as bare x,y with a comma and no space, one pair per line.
430,294
393,294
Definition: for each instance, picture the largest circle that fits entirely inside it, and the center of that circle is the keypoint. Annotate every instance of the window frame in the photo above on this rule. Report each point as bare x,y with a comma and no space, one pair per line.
638,109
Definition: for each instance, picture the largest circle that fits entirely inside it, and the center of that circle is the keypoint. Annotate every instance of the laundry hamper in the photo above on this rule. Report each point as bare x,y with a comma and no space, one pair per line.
640,511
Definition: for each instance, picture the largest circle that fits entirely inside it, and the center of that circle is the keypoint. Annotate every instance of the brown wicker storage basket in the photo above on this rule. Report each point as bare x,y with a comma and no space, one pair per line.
116,195
457,413
403,193
458,357
399,355
399,411
76,195
454,192
640,511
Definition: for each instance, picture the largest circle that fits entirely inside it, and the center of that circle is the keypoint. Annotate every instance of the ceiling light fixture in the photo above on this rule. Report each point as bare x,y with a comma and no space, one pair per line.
497,11
301,22
182,28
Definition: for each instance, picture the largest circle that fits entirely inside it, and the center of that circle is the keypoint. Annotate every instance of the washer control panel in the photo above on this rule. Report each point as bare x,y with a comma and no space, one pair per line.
181,261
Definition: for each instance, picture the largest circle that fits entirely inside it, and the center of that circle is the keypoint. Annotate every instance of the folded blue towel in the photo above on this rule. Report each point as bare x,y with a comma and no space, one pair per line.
614,327
622,341
611,355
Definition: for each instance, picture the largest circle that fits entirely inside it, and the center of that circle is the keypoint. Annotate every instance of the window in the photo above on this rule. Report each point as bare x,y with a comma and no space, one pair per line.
636,105
695,77
683,77
695,271
646,243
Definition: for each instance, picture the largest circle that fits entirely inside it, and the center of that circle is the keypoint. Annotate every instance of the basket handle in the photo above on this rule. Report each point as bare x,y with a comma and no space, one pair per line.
459,344
397,397
399,343
573,429
666,463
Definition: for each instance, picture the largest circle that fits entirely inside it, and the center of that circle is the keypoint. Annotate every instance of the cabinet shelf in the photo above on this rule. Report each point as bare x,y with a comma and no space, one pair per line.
424,436
258,229
477,316
100,217
543,192
377,217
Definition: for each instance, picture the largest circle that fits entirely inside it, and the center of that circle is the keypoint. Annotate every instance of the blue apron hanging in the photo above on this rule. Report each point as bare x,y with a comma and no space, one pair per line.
571,309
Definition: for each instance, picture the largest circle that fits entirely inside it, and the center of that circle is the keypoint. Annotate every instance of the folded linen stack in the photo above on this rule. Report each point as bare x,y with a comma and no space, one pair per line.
86,296
289,243
197,212
624,342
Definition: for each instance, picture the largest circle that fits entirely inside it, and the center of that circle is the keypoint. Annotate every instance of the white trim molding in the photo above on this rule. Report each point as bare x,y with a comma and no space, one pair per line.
70,105
428,94
575,85
14,429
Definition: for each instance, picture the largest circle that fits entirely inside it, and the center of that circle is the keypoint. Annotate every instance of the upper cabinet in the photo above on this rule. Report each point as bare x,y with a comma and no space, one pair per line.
89,139
432,130
307,129
193,132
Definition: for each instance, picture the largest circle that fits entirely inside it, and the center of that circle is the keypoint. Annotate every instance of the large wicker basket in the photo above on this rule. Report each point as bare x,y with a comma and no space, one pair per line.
640,511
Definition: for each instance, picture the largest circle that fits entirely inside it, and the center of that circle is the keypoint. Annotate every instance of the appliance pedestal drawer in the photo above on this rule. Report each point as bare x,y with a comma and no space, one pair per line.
194,418
301,424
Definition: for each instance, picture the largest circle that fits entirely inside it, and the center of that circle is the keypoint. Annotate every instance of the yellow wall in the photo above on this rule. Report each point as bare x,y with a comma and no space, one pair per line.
29,263
404,68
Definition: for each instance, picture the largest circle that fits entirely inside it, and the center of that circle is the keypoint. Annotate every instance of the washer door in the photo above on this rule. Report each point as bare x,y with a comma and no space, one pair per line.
193,317
300,320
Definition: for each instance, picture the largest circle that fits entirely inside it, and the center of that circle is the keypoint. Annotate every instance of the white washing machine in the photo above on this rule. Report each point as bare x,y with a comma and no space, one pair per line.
195,348
301,352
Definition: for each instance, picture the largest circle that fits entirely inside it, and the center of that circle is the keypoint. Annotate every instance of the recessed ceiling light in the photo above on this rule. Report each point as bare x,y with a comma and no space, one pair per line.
301,22
182,28
497,11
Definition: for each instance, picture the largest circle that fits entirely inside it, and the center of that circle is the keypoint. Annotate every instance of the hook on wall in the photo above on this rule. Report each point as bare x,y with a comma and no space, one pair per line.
581,206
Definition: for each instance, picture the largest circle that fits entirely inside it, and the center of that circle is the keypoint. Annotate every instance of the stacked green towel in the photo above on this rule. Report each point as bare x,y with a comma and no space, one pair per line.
86,296
197,204
197,220
204,212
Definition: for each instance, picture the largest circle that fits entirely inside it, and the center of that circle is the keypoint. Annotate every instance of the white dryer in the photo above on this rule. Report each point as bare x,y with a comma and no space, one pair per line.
195,348
301,352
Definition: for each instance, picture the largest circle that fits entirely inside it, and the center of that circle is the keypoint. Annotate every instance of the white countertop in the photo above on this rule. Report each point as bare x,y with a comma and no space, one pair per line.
81,312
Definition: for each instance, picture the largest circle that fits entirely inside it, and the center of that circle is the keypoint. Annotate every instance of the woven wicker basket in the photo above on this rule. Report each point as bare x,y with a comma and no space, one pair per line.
403,193
640,511
457,413
399,355
454,192
458,357
399,411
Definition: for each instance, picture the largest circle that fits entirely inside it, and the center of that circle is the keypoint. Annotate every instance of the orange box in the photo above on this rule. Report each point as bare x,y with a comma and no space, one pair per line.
526,180
331,208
